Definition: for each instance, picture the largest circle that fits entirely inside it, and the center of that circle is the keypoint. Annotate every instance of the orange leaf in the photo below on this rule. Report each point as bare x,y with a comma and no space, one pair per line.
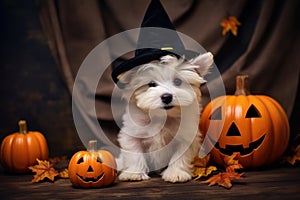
200,167
230,24
223,179
43,170
231,163
201,162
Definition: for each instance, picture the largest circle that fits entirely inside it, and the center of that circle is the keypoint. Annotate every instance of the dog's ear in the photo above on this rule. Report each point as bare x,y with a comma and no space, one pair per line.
125,77
204,61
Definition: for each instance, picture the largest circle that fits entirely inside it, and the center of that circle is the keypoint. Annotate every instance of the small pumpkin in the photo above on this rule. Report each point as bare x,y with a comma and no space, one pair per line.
92,168
255,126
21,149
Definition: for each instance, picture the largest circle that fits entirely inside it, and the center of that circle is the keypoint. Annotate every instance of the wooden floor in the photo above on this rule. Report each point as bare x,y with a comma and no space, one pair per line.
279,183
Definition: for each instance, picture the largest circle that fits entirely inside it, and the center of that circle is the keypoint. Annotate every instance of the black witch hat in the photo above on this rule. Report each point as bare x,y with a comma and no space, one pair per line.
157,38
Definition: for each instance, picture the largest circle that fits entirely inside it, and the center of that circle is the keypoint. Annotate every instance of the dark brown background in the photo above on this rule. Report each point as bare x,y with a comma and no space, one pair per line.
31,87
36,80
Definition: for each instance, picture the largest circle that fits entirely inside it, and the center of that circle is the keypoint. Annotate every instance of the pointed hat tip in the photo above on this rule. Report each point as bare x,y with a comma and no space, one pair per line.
156,16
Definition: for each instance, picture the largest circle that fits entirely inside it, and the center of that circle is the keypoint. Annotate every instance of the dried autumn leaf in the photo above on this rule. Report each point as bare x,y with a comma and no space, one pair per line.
223,179
230,24
203,172
64,174
200,167
57,159
201,162
294,157
231,163
43,170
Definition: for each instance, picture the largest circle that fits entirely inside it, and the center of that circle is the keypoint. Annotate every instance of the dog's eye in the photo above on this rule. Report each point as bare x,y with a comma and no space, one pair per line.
152,84
177,81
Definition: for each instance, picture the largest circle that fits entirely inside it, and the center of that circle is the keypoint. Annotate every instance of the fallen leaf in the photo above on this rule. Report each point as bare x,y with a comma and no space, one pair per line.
201,169
203,172
292,159
64,174
201,162
231,164
57,159
59,163
230,24
43,170
223,179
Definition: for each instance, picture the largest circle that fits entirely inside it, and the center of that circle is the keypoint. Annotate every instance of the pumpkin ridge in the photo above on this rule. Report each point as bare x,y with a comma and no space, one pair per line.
43,146
11,156
24,145
250,127
5,161
272,125
27,149
281,112
283,117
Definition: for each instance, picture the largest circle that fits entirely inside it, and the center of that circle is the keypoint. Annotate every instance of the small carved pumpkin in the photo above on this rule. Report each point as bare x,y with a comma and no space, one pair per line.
92,168
255,126
20,150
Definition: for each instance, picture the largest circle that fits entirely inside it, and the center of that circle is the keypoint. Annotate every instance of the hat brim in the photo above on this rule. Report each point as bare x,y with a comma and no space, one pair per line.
150,55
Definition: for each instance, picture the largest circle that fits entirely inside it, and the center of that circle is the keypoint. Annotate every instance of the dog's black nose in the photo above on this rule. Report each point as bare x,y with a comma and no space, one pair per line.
166,98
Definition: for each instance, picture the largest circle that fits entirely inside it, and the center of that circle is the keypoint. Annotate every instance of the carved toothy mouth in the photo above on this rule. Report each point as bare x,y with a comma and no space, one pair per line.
94,180
230,149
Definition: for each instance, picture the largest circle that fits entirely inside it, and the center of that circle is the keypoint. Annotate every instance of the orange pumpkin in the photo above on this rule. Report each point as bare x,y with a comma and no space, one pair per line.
92,168
255,126
20,150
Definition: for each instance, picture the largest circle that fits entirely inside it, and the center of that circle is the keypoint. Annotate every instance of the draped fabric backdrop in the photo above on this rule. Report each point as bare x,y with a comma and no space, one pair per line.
266,48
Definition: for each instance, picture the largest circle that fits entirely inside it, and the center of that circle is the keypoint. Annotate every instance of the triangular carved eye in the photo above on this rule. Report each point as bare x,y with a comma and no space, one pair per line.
80,160
99,160
253,112
216,115
233,130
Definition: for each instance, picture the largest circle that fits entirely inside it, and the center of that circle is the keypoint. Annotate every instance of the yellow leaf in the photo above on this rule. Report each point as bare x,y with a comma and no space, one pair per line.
200,167
43,170
203,172
64,174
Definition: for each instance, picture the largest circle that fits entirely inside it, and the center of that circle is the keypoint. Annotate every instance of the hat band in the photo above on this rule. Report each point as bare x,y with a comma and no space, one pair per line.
166,48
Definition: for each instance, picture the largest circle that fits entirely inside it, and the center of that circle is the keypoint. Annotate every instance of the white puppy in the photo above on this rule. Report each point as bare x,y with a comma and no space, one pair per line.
160,124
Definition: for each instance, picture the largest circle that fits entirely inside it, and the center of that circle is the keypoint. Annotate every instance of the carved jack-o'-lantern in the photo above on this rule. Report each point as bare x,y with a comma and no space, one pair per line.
255,126
92,168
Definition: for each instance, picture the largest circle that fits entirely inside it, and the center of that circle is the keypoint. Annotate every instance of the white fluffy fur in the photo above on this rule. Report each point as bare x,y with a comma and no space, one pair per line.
153,137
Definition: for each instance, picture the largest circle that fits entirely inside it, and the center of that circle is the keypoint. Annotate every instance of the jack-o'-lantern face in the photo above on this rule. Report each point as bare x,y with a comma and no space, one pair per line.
254,126
89,169
231,140
92,169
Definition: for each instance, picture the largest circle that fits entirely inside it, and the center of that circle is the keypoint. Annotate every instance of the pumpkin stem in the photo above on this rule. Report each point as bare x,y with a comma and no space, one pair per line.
22,126
92,146
242,85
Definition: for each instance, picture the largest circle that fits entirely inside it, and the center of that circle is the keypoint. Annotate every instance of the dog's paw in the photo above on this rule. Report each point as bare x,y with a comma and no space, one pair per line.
176,175
128,176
